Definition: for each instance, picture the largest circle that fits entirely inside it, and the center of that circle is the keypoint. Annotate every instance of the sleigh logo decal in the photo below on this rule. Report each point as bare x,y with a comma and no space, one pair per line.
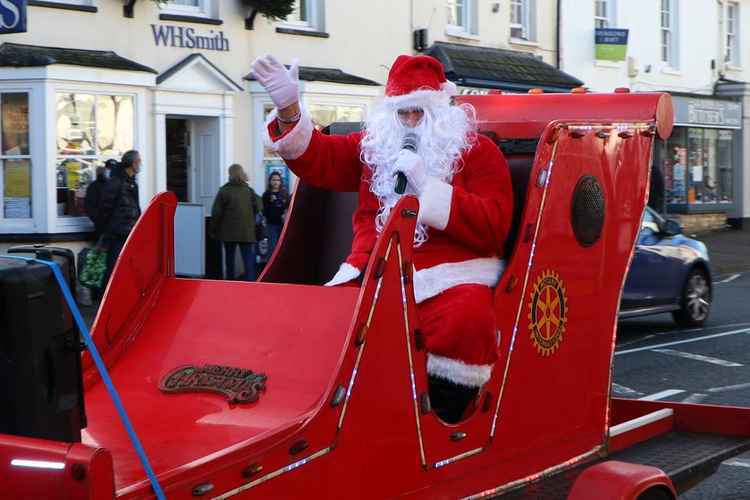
548,312
239,385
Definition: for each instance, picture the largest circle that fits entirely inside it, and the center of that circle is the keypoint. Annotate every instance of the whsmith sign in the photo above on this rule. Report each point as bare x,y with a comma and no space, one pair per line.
186,38
12,16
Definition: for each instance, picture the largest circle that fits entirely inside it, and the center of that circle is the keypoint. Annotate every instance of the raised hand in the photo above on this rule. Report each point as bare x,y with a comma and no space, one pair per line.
281,84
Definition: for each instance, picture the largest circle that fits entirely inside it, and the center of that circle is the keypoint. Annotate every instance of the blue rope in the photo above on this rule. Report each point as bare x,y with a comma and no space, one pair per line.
102,369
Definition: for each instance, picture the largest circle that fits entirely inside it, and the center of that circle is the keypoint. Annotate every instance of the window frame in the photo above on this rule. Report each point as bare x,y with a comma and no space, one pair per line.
670,53
203,9
732,52
469,26
315,13
84,3
68,220
527,24
28,157
609,19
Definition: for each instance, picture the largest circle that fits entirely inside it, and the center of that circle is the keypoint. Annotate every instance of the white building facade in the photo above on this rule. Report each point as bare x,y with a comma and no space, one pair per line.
694,50
171,80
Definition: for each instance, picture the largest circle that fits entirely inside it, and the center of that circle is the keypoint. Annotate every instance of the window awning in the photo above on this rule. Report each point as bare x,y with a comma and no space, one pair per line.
333,75
21,55
501,69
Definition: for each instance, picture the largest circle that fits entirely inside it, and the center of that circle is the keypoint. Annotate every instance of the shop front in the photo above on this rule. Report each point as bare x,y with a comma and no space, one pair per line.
701,162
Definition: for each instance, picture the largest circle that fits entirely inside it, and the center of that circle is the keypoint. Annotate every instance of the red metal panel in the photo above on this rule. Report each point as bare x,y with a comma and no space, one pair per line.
520,116
38,468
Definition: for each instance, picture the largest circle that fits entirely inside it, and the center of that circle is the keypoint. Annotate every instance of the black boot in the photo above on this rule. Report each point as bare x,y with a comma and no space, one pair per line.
450,400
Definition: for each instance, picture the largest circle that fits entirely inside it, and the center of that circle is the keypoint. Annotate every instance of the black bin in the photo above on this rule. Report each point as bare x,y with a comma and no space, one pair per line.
40,361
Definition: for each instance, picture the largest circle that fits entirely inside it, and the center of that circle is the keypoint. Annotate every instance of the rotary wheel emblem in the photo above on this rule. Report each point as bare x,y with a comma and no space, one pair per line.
548,312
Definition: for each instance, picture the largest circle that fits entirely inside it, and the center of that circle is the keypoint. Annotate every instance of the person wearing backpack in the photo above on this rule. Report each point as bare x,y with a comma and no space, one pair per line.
233,221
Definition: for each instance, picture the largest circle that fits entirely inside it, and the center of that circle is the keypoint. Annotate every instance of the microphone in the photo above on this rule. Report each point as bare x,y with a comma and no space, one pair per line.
411,141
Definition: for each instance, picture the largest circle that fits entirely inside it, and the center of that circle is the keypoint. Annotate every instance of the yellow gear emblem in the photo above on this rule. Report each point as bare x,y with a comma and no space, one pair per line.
548,312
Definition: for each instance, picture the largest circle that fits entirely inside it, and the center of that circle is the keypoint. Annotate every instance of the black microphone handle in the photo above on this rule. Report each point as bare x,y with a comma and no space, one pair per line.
400,183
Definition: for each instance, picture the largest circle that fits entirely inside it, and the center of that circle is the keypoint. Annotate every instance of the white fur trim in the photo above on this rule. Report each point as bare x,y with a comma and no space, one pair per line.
428,99
432,281
457,371
435,203
295,143
449,87
346,272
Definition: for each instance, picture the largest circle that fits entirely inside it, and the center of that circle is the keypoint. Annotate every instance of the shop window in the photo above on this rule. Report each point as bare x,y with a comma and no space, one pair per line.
461,17
15,160
669,33
733,35
604,14
523,20
322,115
91,129
307,14
697,164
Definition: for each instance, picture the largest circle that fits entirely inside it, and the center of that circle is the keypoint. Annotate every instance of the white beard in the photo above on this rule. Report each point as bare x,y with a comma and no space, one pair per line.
445,133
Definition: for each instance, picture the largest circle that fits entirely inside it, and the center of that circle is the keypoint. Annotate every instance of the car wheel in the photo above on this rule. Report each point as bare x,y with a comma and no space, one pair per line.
695,303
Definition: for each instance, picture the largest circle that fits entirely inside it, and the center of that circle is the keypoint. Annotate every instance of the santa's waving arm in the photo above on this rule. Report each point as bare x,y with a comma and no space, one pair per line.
329,162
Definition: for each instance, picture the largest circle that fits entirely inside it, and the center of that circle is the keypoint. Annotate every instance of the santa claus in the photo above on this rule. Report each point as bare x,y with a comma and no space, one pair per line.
465,196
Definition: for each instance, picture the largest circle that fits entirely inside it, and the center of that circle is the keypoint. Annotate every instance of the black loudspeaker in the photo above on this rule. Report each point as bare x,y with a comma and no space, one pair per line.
420,39
40,351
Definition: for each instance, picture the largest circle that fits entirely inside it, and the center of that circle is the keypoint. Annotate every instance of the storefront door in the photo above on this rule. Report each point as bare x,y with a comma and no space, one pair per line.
193,170
206,169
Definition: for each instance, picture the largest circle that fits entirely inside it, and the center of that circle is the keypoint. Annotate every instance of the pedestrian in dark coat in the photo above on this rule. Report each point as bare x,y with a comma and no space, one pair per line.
120,207
233,221
93,200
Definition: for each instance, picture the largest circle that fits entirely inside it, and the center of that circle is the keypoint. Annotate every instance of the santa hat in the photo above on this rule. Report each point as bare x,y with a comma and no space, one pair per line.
416,79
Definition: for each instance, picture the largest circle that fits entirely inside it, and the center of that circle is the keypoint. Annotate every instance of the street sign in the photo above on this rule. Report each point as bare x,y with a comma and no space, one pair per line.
611,44
12,16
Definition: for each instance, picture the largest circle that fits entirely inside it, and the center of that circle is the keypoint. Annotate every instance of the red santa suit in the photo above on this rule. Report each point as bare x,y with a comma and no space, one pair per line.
467,218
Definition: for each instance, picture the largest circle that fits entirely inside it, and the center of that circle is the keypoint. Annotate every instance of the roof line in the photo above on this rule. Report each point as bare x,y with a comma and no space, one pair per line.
166,75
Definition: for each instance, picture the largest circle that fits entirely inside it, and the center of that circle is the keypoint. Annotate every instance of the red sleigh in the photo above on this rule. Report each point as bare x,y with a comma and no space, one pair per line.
345,412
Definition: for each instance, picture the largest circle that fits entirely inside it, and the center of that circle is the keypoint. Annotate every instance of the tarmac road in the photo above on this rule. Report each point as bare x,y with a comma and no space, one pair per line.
709,365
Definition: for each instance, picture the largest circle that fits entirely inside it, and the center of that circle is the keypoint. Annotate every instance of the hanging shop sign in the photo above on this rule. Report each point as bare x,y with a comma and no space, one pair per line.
12,16
611,44
187,38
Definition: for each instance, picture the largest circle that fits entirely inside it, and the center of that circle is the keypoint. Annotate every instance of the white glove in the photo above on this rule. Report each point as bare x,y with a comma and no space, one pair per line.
412,165
281,84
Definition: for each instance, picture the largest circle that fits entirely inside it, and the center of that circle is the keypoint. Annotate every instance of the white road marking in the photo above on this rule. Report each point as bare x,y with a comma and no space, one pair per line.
725,388
621,389
695,398
696,339
661,395
636,341
697,357
737,462
730,278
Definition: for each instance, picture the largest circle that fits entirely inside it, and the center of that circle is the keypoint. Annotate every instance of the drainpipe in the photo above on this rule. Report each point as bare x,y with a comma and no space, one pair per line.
558,59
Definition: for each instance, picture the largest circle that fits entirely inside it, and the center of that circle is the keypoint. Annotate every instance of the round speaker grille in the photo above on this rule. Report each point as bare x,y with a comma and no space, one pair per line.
587,214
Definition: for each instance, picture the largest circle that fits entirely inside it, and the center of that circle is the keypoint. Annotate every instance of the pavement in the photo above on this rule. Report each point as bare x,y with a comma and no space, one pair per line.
728,249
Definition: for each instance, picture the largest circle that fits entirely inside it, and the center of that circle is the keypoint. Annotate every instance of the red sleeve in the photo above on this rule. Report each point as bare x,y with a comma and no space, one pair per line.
478,211
327,161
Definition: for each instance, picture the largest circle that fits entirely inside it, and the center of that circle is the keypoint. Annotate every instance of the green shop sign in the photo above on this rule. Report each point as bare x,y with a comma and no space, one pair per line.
611,44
